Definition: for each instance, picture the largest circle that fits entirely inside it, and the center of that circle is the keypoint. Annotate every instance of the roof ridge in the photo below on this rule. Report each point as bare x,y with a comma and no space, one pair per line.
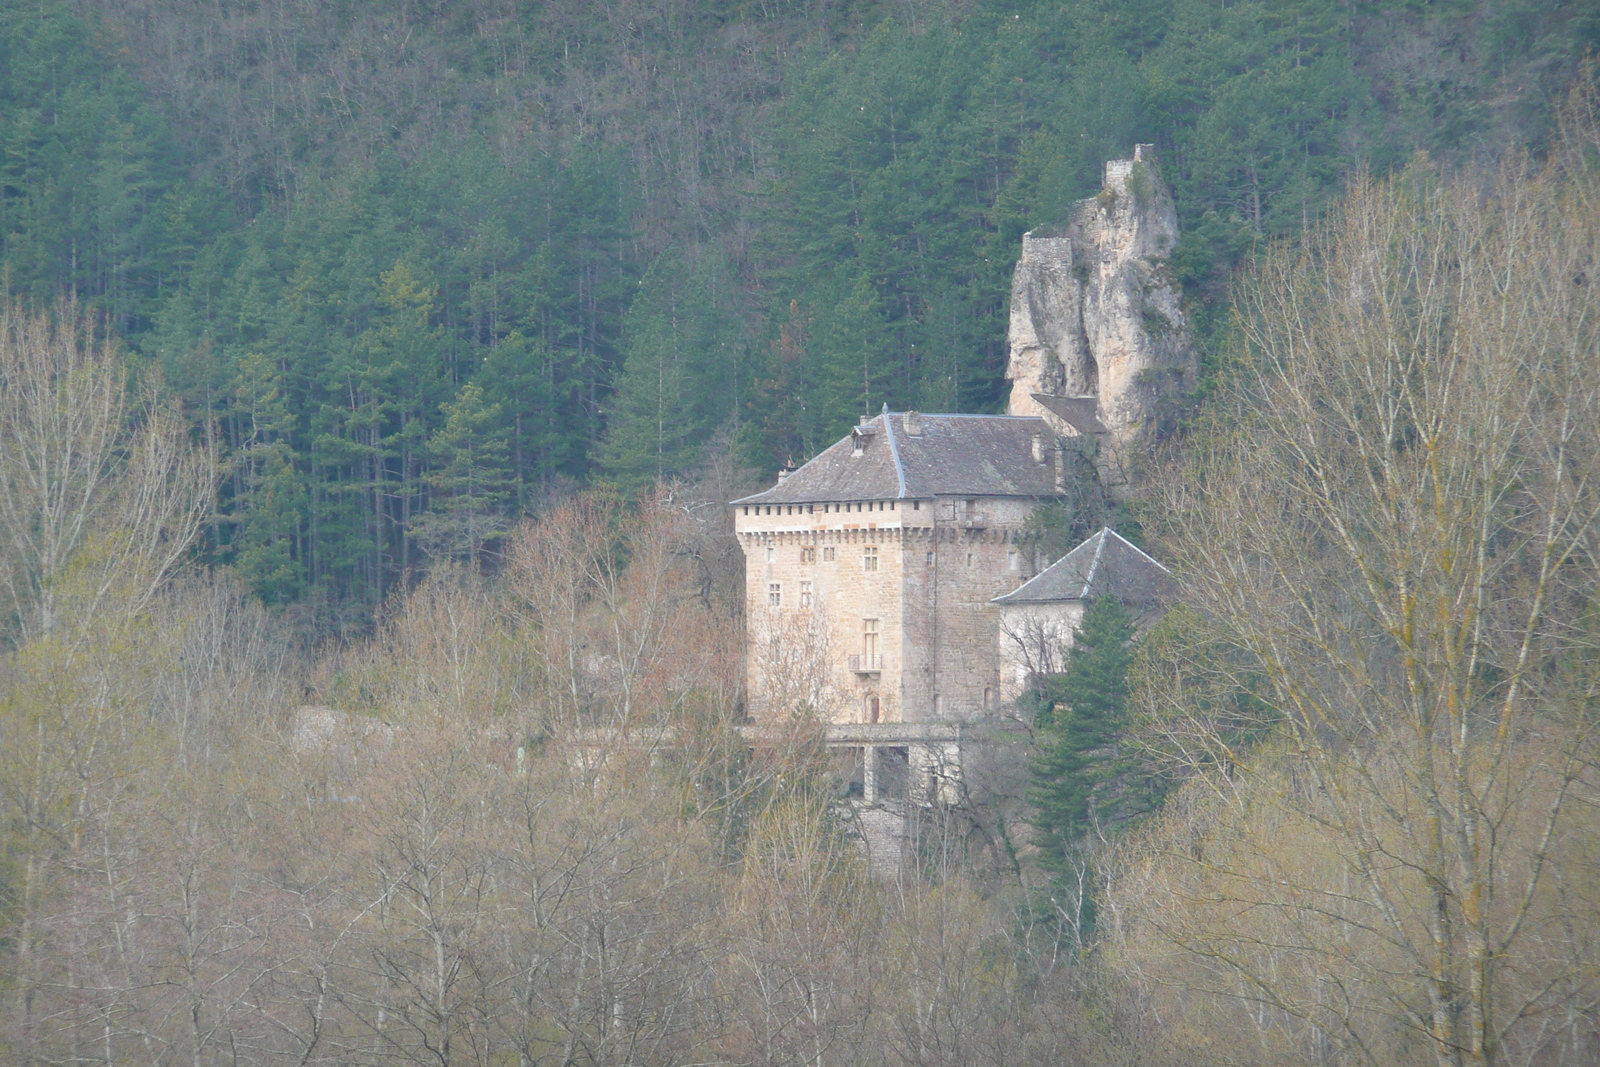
1088,579
1139,550
894,451
972,415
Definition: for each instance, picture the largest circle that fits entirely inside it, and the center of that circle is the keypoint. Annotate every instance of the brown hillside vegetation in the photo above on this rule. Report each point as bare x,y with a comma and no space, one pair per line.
1385,685
532,837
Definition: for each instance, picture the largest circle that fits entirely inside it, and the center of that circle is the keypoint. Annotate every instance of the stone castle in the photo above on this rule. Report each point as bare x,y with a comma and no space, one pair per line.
893,581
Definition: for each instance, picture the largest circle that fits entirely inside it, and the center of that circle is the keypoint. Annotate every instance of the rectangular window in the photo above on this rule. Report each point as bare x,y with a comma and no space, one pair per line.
1011,558
869,644
930,557
775,594
869,558
808,554
828,554
772,554
805,594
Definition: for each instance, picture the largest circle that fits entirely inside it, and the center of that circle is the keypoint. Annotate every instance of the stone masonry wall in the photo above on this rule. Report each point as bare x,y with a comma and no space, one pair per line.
939,563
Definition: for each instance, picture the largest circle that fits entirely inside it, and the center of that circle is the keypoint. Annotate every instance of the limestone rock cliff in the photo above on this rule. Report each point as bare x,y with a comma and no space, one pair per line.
1097,334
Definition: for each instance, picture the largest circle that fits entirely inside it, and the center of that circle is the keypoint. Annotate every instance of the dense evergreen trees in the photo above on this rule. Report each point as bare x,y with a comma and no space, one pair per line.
327,224
1084,709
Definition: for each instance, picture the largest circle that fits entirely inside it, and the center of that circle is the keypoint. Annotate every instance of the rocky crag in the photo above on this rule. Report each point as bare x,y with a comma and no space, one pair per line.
1098,338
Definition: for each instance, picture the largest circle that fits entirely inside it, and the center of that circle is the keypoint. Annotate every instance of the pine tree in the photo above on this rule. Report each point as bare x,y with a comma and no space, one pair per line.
470,481
269,509
679,379
1087,709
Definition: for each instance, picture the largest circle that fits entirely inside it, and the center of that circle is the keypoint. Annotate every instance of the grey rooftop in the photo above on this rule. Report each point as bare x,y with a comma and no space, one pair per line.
1104,565
912,456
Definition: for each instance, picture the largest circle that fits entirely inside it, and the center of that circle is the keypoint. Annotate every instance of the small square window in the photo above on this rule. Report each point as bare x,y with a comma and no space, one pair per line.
805,594
869,558
829,554
775,594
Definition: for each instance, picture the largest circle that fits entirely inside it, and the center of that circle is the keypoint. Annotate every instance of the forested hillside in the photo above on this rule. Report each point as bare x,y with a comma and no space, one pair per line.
416,268
372,646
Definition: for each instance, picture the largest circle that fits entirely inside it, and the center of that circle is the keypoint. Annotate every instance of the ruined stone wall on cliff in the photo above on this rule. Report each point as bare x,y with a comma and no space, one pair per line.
1095,315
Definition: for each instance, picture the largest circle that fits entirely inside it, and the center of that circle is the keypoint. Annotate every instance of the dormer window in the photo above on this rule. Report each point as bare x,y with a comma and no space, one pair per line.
860,437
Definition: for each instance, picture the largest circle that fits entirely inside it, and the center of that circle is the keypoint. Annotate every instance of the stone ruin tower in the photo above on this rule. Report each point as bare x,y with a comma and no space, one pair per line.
1097,335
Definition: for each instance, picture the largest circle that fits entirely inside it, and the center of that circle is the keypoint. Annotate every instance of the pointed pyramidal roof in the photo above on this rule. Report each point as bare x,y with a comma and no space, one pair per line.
1104,565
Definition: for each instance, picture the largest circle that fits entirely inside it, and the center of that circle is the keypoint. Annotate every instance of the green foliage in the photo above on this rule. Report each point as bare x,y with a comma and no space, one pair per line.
1084,713
1085,507
271,493
800,214
680,374
92,198
469,483
383,294
886,227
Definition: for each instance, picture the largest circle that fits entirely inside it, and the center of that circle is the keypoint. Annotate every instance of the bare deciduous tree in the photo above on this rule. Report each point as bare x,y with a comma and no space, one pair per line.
82,465
1397,543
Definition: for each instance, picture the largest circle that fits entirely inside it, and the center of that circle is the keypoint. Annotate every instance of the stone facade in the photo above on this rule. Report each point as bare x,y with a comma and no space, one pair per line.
880,610
895,578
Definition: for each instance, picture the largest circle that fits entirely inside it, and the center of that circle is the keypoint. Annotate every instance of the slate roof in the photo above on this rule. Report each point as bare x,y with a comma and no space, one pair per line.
953,455
1104,565
1079,412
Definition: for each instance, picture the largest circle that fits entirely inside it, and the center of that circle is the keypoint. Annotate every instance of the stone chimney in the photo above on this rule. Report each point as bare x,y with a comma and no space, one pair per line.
912,421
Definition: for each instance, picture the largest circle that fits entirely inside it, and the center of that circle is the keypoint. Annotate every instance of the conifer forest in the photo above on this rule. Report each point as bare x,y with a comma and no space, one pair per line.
374,379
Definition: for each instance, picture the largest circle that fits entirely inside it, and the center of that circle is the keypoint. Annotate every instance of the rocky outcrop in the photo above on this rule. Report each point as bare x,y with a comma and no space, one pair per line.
1097,334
